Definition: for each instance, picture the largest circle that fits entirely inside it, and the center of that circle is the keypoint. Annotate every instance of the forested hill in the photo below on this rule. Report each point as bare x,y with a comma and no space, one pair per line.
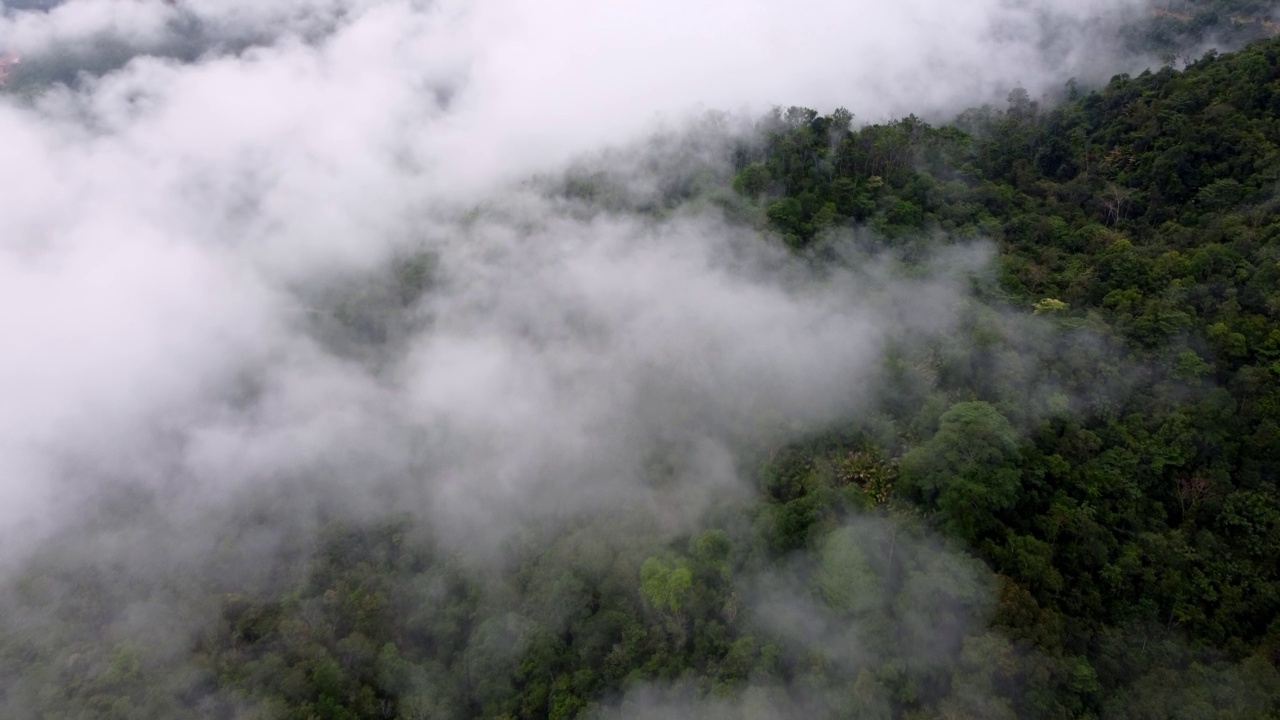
1144,212
1177,26
1067,507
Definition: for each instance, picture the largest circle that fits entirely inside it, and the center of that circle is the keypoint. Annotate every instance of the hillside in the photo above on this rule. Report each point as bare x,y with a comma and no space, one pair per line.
1063,505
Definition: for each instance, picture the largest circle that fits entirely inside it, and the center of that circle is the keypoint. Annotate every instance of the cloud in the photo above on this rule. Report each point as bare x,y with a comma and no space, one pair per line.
876,603
527,83
296,253
170,213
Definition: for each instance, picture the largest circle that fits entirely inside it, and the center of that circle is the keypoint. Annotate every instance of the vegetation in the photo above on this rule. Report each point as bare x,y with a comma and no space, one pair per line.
1142,216
1098,447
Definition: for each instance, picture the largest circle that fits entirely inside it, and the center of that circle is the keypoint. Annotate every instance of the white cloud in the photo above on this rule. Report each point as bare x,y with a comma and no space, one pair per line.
163,215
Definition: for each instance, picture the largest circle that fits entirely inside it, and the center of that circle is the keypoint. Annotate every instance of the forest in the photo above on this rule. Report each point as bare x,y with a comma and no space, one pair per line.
1064,506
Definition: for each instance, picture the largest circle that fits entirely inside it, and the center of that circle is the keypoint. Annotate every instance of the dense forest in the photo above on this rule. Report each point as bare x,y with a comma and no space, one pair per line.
1064,507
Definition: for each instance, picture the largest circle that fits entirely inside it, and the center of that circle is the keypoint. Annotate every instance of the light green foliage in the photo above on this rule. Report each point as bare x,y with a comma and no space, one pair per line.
665,585
1050,305
845,578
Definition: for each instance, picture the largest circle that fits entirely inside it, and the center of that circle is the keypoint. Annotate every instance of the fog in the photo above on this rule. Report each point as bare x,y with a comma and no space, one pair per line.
302,255
473,91
165,214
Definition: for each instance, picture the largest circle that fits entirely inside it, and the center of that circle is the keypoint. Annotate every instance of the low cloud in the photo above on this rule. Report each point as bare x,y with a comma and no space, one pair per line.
303,256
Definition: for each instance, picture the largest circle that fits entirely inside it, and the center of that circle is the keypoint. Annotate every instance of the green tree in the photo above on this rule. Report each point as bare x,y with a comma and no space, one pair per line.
665,585
968,469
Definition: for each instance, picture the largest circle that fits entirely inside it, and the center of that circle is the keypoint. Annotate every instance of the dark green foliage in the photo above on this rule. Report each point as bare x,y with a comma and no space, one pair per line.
1121,491
1100,434
968,470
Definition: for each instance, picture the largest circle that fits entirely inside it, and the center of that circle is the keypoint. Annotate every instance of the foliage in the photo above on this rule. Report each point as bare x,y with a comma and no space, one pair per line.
1098,443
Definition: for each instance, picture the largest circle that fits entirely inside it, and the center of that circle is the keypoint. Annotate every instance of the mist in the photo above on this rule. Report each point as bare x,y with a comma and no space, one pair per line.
304,260
169,213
